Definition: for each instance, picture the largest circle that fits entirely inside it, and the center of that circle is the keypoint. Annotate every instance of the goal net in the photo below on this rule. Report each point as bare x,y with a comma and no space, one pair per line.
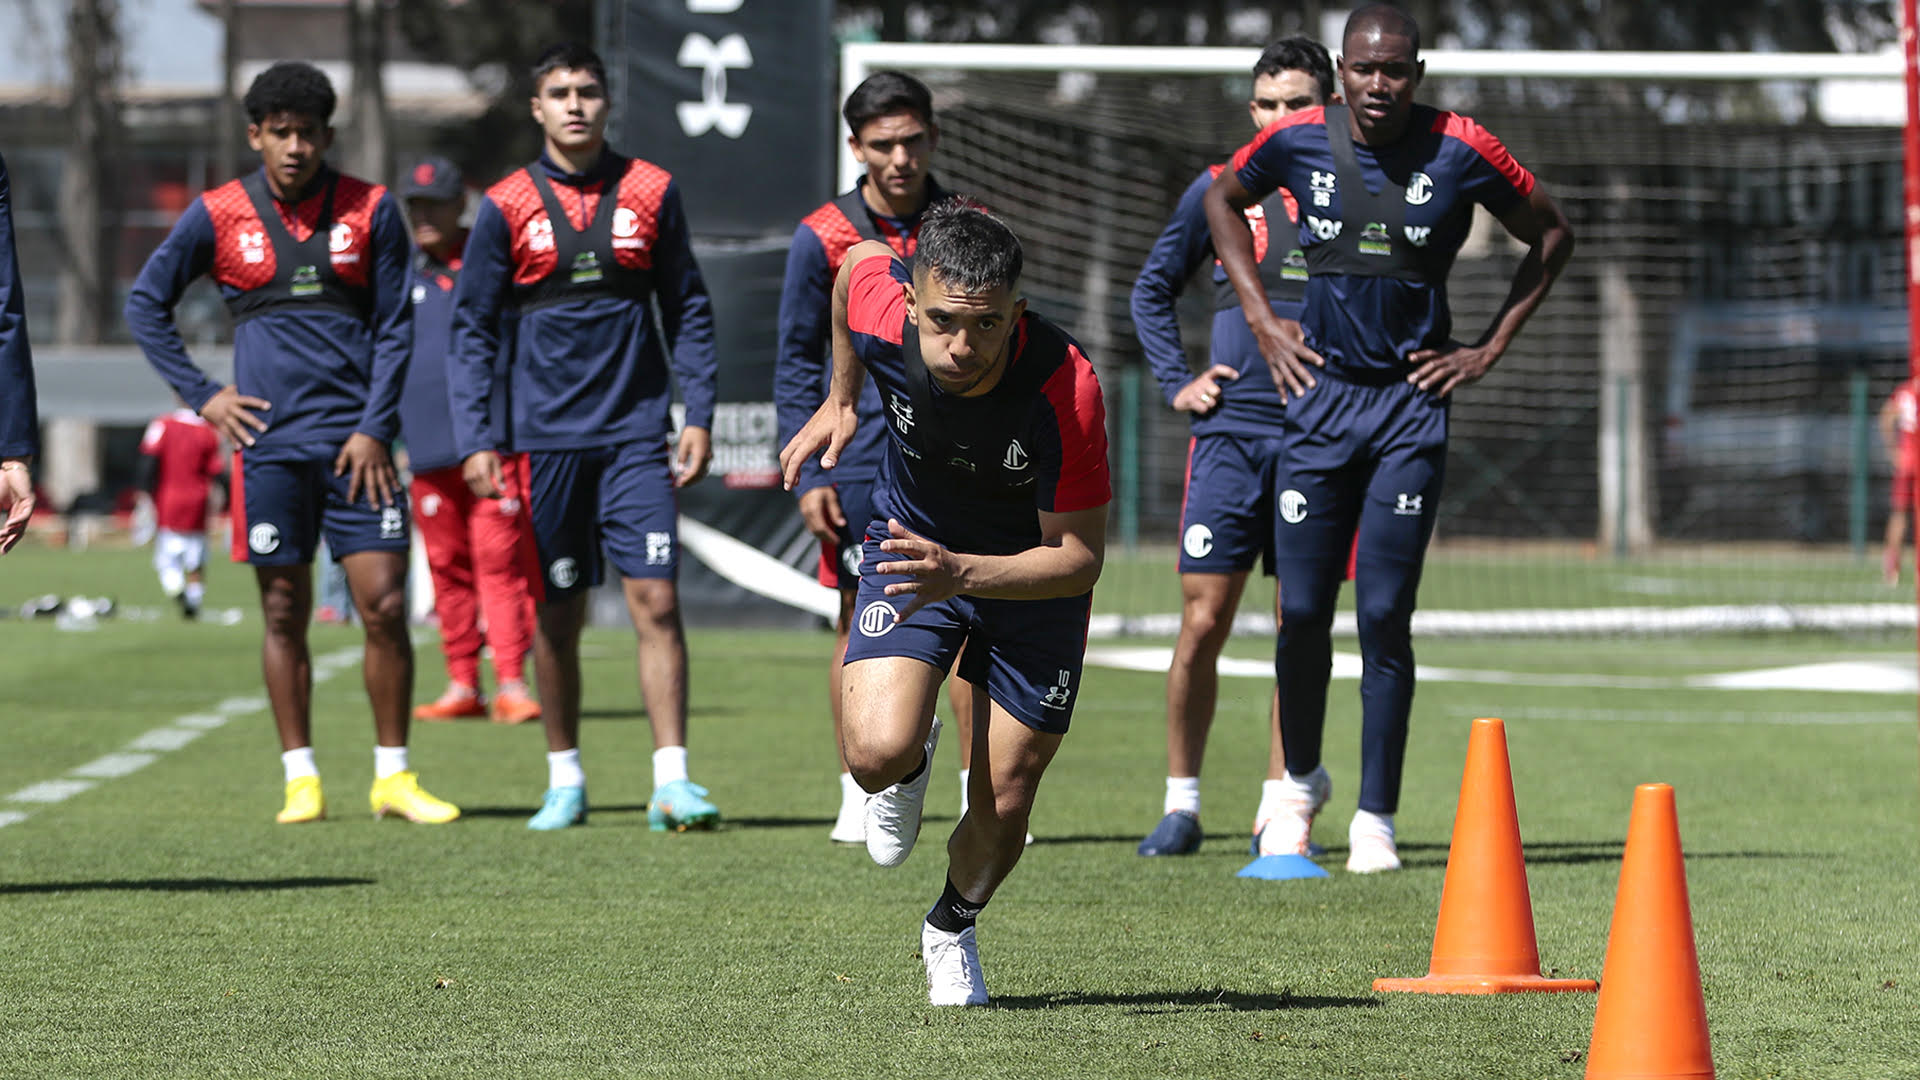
1683,437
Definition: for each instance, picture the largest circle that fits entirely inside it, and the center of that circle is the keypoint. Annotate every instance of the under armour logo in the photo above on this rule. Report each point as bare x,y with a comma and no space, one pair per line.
713,110
902,414
1407,505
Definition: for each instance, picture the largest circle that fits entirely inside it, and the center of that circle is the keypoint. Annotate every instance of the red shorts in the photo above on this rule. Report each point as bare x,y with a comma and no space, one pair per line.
1903,489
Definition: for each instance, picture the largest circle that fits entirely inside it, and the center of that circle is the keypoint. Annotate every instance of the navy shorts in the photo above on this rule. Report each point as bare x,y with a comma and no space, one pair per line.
286,506
840,562
1027,653
620,497
1226,516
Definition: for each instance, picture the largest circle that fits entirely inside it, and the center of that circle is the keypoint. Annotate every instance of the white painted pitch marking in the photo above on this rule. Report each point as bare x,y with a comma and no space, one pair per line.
148,747
114,766
50,791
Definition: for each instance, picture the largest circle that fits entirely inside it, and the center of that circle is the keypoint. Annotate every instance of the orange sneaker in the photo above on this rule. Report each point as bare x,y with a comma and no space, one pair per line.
512,705
457,702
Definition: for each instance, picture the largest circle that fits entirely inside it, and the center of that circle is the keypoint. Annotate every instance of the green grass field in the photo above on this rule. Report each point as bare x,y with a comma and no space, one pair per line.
159,924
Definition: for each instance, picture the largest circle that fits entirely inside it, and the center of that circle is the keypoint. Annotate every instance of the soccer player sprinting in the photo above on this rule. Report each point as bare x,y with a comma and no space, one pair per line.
479,551
19,413
988,529
1386,190
892,132
1226,517
579,245
180,457
313,267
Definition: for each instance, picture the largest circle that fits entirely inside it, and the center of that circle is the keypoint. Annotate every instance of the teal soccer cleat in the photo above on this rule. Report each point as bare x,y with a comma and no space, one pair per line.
563,807
680,806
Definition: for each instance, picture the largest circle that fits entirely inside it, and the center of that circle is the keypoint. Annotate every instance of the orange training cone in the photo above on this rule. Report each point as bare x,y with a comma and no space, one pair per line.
1484,941
1651,1023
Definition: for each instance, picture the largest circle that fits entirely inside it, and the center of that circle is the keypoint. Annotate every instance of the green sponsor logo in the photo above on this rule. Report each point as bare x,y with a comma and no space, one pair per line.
1374,241
306,281
586,269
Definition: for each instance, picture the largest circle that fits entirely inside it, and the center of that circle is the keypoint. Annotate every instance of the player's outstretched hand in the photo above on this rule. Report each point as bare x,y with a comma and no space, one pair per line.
693,455
831,426
932,572
1202,395
231,414
368,466
16,501
820,509
1440,371
481,471
1284,345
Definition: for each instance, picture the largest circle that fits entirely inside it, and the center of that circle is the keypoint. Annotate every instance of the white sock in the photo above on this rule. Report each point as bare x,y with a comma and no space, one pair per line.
563,769
669,764
850,789
172,581
1183,795
388,760
1273,795
1366,821
299,763
196,592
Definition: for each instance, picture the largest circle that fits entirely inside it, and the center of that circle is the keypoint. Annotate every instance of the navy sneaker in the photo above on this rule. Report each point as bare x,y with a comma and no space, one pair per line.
1177,834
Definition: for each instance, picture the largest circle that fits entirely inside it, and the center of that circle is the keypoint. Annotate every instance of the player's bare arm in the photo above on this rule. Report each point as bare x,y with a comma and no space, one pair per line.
833,423
16,499
232,414
1281,341
1067,562
1202,395
368,466
820,511
1539,224
482,473
692,455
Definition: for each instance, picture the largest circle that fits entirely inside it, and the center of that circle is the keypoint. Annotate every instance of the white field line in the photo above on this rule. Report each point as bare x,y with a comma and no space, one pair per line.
1851,676
152,745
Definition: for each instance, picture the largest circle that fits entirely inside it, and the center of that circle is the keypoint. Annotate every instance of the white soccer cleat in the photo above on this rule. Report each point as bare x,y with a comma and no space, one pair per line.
953,967
1370,846
851,826
893,814
1289,828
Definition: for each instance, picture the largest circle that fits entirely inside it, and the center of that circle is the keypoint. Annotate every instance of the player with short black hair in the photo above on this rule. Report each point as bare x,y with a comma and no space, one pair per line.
892,132
313,267
1226,511
1386,190
19,416
988,530
578,248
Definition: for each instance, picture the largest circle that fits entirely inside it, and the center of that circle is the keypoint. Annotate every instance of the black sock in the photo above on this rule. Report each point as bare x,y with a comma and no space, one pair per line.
953,912
915,774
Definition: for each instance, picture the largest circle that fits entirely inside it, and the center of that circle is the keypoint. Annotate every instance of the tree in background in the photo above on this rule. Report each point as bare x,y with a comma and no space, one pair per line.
87,304
496,42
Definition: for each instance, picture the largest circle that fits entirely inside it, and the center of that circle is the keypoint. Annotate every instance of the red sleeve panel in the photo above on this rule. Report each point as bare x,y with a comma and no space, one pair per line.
837,235
876,305
1080,415
1315,115
1469,131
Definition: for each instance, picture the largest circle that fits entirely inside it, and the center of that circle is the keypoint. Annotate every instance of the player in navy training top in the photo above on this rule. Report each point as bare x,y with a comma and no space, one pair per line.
580,245
988,528
1386,191
19,416
480,552
1226,516
313,266
893,134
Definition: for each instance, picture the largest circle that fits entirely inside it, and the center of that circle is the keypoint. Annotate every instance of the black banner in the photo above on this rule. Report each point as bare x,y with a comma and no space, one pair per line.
734,97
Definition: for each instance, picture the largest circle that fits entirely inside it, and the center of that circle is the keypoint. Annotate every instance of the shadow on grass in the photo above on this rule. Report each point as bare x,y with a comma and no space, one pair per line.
528,809
1149,1004
212,885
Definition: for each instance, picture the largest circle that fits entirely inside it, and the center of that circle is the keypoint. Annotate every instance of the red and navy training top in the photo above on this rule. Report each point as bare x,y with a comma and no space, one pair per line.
328,372
186,453
1366,326
1056,461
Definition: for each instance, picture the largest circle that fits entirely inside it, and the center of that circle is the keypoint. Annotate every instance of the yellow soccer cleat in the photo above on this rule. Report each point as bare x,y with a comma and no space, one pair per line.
304,801
401,794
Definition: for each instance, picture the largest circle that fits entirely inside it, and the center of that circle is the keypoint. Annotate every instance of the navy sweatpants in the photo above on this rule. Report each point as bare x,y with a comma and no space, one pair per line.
1371,458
